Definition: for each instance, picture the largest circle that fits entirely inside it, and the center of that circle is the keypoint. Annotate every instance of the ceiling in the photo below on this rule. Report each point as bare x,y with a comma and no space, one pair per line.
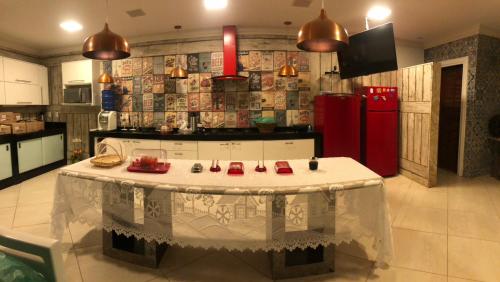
34,24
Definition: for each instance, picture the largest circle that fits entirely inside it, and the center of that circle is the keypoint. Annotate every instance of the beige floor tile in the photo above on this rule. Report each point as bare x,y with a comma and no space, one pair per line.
397,190
9,196
419,251
71,268
220,266
397,274
477,200
43,230
473,259
424,197
96,267
475,225
176,257
36,193
32,214
347,268
422,219
455,279
259,261
84,236
7,216
494,193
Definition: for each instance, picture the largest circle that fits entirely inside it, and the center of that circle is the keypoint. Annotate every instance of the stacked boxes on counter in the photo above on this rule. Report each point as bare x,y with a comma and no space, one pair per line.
12,123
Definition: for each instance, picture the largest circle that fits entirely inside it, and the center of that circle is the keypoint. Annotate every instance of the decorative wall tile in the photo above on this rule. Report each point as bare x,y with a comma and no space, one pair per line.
231,119
267,81
293,59
206,119
255,81
181,117
124,119
292,100
193,102
217,119
267,61
137,84
243,118
193,82
158,65
267,99
181,60
279,59
192,63
137,103
304,117
305,100
181,103
205,82
170,85
304,58
292,84
137,66
158,118
292,117
147,102
279,82
230,85
126,103
255,103
136,119
217,63
218,101
204,62
147,65
243,100
158,102
158,83
126,68
304,81
147,83
280,100
280,117
252,116
254,61
205,101
127,85
181,86
147,119
170,102
169,62
243,85
171,119
243,61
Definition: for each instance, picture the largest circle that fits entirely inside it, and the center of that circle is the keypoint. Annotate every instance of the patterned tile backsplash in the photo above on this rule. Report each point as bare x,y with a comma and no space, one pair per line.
147,96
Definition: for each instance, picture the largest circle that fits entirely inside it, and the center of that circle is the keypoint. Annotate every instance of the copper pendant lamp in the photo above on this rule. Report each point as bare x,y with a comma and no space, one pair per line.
322,35
106,45
178,72
288,70
105,78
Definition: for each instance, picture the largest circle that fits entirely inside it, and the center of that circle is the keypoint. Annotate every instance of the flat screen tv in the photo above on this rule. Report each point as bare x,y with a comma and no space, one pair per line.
368,52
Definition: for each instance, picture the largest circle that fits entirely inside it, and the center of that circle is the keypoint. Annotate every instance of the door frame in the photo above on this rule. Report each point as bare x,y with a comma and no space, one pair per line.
464,62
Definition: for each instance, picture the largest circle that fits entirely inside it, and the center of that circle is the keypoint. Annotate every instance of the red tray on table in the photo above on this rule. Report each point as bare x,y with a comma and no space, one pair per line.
159,168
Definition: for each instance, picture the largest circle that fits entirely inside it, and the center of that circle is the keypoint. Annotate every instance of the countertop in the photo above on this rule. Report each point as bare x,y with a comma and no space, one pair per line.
213,134
51,128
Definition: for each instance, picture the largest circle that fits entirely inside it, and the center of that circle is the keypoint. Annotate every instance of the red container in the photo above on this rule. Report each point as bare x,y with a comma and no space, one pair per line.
235,168
337,117
283,167
381,130
158,168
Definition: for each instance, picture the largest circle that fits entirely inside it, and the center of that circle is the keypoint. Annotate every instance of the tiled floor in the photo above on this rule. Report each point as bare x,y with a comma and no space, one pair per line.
447,233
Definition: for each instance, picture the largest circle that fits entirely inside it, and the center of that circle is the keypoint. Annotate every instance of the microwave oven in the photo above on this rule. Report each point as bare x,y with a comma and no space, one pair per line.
78,94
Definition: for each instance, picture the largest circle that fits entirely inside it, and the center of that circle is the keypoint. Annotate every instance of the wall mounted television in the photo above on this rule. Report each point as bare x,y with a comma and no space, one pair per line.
368,52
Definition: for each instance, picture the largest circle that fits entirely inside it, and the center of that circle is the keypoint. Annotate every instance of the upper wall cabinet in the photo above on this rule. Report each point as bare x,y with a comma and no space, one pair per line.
77,72
24,83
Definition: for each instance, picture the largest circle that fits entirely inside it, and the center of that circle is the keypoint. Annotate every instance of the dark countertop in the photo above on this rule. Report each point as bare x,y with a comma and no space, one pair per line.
51,128
214,134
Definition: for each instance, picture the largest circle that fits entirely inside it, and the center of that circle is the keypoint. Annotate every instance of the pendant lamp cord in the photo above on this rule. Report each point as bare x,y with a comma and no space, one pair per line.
107,11
322,4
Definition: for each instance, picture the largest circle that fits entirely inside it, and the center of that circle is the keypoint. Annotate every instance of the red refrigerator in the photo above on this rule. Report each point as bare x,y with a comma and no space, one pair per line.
337,117
380,140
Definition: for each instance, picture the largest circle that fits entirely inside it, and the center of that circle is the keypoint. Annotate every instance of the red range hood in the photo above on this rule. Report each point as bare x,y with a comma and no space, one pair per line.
230,55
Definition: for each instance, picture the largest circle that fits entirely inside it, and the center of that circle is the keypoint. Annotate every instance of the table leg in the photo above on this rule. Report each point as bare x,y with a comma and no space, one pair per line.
310,261
157,218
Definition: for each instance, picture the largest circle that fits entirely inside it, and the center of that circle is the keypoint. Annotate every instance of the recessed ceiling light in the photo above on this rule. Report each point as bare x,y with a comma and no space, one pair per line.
71,26
215,4
378,13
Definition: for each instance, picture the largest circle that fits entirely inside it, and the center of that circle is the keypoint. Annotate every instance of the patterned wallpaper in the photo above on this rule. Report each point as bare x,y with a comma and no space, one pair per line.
147,96
483,92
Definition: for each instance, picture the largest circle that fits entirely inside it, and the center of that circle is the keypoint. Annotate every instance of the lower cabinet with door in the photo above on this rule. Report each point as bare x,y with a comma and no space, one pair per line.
28,155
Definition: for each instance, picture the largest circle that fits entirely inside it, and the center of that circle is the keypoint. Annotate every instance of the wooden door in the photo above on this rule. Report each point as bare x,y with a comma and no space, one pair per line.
449,117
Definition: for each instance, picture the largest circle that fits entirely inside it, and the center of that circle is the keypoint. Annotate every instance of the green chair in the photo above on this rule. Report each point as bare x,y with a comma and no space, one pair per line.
24,257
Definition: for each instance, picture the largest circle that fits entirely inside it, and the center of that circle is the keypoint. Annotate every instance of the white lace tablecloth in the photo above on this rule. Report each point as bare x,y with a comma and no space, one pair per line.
341,202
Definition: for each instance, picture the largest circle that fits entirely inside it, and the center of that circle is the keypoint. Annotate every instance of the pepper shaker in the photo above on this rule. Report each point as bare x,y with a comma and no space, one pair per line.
313,164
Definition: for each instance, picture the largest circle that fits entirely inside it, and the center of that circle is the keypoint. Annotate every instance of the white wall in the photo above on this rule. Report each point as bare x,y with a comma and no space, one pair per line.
409,54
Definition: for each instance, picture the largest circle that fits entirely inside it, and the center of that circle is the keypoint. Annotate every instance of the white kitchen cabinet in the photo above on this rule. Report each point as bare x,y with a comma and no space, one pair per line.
77,72
21,72
53,148
171,145
1,70
214,150
247,150
29,154
131,145
22,94
289,149
44,84
182,155
2,93
5,156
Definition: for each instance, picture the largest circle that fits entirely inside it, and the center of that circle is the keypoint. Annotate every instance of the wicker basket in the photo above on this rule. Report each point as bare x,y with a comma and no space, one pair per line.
267,127
105,158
